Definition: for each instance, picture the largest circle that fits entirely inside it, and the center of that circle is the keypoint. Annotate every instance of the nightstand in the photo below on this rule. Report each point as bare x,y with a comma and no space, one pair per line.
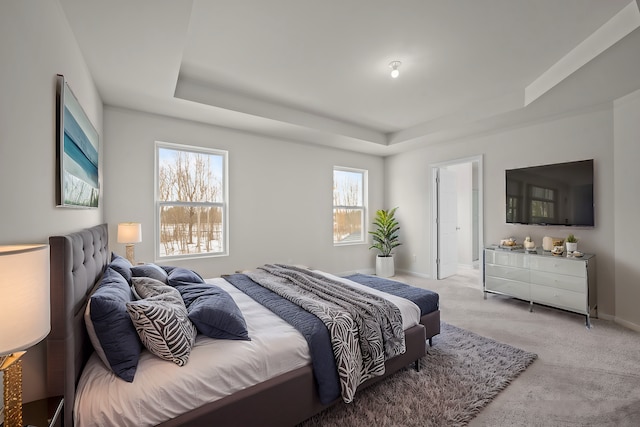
43,412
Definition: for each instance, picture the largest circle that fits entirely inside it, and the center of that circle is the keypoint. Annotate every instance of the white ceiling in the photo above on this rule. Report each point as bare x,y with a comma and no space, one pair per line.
317,71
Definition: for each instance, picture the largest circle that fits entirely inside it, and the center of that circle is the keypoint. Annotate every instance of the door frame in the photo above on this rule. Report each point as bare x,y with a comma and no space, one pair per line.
435,167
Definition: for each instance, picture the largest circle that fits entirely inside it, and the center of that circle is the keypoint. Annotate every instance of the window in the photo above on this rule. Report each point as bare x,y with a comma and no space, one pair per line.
349,205
191,201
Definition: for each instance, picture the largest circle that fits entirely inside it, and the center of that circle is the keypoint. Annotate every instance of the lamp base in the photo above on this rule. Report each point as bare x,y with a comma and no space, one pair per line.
12,370
130,253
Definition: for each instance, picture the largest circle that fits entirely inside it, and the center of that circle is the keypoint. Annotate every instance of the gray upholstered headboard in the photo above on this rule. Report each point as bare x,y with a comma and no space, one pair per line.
77,263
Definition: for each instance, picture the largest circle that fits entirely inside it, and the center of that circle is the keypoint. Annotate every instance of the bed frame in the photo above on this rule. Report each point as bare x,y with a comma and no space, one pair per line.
77,263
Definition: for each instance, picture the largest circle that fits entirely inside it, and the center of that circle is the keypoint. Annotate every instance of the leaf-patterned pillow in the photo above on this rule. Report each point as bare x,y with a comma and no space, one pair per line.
163,325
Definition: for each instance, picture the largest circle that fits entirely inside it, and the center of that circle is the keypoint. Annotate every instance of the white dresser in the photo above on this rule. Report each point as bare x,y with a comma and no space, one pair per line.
558,281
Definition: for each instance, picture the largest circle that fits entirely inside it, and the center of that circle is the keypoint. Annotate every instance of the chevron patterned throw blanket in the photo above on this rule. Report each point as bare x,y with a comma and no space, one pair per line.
365,329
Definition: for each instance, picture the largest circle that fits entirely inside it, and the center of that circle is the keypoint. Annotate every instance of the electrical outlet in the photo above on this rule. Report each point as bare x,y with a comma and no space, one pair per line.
414,257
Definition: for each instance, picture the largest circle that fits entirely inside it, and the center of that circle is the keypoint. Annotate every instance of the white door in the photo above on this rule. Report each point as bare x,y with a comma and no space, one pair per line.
447,224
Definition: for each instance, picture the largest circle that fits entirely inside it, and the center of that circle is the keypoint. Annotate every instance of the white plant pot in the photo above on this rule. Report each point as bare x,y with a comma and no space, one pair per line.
384,266
571,247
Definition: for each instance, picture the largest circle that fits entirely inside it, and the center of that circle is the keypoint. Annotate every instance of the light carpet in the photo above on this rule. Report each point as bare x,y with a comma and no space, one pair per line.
460,375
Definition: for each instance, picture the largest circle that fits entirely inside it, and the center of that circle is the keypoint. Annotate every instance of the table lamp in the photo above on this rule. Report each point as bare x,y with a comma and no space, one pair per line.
130,233
24,316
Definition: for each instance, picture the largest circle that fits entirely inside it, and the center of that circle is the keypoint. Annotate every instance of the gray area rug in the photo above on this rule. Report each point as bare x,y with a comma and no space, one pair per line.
460,375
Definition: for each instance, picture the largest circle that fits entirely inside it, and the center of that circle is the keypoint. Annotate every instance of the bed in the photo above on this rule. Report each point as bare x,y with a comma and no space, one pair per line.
78,261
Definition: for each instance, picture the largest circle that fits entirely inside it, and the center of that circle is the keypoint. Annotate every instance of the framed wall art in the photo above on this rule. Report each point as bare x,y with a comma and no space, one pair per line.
76,152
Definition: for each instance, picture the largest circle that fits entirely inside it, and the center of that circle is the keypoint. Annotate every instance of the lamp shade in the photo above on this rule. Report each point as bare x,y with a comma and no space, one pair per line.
129,232
24,296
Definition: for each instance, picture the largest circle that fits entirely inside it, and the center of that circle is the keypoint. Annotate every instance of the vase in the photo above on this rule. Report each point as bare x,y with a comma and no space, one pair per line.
384,266
571,247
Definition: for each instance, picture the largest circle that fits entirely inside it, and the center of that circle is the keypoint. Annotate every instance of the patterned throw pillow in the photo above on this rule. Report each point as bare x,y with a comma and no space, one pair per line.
146,287
162,322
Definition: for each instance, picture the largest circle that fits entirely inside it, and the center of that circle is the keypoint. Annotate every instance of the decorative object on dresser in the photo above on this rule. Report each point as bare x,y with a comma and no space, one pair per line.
510,244
529,245
130,233
560,282
24,316
548,243
385,239
572,244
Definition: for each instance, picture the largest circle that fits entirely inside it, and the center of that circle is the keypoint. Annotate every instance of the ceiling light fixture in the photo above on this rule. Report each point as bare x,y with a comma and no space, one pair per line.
394,68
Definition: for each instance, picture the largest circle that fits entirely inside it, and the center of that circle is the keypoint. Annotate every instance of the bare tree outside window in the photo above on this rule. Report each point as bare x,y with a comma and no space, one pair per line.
348,205
191,201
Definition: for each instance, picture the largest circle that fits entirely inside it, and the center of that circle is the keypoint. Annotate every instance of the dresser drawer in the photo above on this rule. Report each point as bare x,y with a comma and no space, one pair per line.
509,259
508,287
561,281
511,273
559,298
559,265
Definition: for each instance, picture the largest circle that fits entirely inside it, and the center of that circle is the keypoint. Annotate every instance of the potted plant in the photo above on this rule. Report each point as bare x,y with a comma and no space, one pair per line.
572,243
385,239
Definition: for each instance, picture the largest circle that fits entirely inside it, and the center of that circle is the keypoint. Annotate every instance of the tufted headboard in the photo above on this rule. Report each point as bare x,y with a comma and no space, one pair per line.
77,263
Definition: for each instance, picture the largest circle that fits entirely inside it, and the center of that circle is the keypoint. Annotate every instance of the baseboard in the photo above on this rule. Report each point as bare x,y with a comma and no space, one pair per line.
413,273
627,324
605,316
619,321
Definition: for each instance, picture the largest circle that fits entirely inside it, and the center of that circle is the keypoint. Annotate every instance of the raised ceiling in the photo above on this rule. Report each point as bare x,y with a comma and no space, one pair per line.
317,72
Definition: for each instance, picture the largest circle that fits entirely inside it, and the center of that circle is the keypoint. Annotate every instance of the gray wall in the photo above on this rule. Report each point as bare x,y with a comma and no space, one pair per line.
280,205
626,209
35,45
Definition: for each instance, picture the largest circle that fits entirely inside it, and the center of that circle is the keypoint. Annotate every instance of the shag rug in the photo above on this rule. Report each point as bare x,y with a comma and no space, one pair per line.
459,376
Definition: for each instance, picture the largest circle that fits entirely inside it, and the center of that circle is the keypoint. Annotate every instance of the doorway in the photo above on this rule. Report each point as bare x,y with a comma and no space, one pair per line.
457,226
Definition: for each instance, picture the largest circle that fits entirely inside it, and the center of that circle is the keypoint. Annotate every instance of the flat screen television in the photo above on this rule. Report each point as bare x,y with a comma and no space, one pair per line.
555,194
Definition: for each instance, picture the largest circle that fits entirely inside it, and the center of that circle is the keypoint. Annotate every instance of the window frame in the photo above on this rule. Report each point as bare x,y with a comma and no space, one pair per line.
224,205
364,208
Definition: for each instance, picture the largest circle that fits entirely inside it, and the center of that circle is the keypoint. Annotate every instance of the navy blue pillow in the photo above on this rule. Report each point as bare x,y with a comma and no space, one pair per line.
113,326
150,270
182,276
121,265
213,311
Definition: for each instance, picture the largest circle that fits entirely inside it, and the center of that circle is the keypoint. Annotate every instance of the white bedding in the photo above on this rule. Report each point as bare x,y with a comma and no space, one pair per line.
162,390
